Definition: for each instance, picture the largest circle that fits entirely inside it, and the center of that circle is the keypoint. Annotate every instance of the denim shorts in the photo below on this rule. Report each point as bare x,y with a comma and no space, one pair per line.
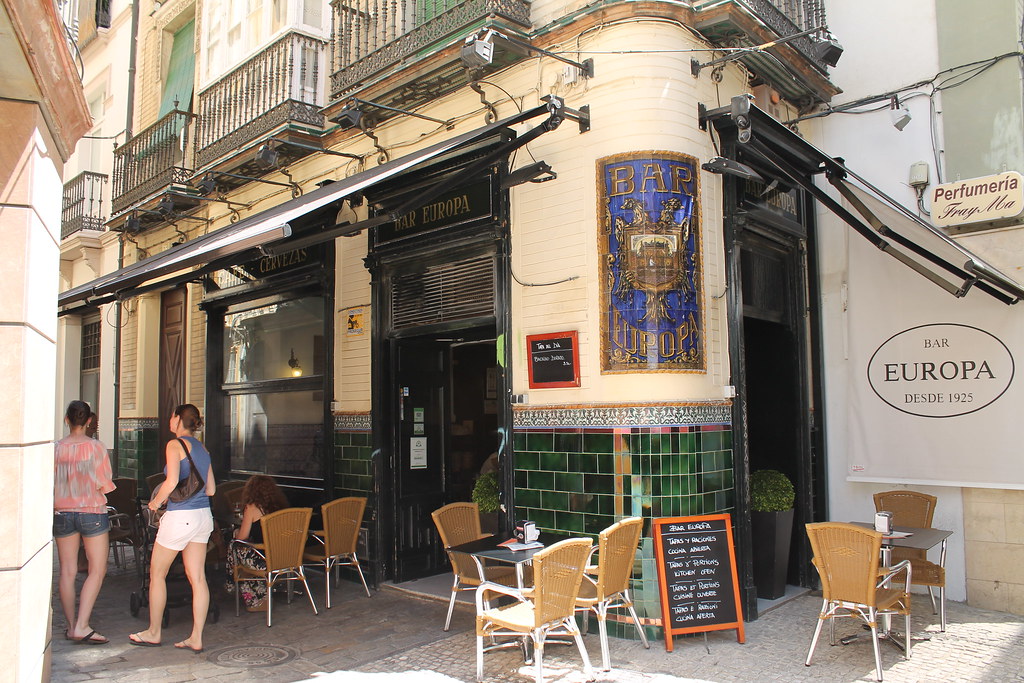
84,523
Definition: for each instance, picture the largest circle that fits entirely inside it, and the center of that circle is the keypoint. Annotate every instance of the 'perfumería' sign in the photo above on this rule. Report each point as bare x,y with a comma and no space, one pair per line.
978,200
941,370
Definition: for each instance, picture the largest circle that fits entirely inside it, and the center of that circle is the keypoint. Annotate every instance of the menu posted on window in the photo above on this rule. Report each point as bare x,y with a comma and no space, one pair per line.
697,578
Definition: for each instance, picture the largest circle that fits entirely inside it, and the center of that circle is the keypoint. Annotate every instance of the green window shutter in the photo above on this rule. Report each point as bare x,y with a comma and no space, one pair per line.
181,72
430,9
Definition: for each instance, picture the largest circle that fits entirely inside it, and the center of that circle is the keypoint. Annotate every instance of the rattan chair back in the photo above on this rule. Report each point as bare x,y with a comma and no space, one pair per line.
616,550
284,535
343,518
557,573
846,557
459,523
908,508
122,498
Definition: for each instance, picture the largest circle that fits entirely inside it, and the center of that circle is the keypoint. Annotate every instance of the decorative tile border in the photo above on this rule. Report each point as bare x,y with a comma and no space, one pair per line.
647,415
134,423
351,421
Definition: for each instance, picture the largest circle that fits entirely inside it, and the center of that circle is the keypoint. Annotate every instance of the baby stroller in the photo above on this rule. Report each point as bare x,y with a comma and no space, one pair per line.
179,591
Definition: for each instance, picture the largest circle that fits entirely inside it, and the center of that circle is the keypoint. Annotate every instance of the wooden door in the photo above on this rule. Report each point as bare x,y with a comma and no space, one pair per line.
172,361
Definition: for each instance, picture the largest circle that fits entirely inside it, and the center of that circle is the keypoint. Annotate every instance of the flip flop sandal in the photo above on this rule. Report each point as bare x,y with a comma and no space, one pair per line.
88,639
136,639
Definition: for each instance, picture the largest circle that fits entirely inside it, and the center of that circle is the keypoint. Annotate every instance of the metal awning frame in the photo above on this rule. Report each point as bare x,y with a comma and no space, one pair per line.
775,146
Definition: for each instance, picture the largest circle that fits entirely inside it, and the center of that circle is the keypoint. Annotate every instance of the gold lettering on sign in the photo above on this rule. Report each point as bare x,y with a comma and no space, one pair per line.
446,208
291,258
622,181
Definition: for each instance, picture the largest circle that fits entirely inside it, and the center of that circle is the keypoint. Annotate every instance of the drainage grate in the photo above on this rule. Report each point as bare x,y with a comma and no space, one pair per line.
252,656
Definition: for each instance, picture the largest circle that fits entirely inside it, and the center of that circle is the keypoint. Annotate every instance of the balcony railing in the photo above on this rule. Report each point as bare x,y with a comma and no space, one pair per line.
155,159
282,84
370,36
82,208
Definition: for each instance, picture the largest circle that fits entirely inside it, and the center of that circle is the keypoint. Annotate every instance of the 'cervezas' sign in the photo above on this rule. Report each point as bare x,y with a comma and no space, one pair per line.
978,200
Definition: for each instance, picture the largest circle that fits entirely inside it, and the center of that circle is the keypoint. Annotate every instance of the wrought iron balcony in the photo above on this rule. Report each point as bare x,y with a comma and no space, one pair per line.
280,86
371,38
156,159
799,72
82,208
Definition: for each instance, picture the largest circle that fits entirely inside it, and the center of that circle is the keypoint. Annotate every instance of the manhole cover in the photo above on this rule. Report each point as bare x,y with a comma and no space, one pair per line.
252,656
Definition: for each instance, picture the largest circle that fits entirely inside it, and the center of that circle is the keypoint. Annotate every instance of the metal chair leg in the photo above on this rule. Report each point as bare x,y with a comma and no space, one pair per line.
451,604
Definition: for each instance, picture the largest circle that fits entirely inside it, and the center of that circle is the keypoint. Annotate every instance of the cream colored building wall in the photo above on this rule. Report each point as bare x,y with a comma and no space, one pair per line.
994,539
352,391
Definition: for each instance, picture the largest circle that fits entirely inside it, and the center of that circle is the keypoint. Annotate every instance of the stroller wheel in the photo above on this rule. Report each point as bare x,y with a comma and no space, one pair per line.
135,603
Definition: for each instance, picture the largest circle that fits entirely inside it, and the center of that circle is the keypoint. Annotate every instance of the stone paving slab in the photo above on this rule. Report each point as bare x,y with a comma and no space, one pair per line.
396,636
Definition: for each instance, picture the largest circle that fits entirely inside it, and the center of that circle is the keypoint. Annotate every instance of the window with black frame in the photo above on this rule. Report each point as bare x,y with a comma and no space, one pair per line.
273,384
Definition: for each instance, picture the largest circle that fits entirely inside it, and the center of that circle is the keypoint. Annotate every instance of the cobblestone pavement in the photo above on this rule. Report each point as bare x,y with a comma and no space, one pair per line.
394,636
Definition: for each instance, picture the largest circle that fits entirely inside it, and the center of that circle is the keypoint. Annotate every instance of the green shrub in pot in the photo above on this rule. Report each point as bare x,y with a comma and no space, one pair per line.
771,491
485,493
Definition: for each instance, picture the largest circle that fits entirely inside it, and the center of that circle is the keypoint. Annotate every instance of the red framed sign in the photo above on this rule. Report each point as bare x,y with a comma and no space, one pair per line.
697,575
554,360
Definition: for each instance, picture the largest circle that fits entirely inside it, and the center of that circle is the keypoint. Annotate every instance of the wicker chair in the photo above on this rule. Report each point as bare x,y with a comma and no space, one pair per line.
284,540
911,508
547,607
124,522
616,551
343,518
459,523
847,557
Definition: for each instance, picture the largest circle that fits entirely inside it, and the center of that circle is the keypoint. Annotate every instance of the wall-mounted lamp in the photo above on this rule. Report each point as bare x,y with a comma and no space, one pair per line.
133,224
478,51
165,205
349,116
267,156
208,185
723,166
827,49
539,172
293,363
900,115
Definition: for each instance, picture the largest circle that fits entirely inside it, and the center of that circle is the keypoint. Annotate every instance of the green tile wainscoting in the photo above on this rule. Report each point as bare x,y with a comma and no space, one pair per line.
353,476
138,453
578,470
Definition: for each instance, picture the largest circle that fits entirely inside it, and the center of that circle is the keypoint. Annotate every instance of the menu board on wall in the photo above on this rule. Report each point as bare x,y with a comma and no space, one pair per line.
554,360
697,575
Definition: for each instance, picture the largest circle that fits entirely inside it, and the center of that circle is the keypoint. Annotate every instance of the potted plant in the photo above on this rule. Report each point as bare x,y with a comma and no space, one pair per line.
771,518
487,499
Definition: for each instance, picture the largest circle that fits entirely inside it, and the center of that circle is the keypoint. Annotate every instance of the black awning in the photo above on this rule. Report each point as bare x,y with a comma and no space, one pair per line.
263,229
882,220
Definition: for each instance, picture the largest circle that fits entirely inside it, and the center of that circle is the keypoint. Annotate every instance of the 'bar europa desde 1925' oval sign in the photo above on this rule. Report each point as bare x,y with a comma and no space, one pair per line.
941,370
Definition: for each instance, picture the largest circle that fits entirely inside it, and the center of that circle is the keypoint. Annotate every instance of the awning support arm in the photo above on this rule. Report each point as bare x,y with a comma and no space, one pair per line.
557,114
866,232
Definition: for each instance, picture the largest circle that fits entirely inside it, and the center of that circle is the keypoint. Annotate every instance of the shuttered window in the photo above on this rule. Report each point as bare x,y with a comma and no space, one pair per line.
181,72
445,292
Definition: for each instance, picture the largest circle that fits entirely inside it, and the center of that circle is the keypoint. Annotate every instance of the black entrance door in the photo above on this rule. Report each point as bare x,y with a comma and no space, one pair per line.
419,455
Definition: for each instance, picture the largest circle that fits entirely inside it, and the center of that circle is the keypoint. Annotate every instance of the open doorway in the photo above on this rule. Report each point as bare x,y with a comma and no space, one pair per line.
445,421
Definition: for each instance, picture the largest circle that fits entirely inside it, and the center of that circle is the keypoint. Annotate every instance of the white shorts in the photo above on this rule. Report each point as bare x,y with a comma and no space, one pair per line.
178,528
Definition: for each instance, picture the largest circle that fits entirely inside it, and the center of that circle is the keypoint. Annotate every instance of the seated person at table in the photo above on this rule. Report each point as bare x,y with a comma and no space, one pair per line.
260,497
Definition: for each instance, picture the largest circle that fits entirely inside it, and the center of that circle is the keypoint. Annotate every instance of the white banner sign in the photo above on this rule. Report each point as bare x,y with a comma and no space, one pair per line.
978,200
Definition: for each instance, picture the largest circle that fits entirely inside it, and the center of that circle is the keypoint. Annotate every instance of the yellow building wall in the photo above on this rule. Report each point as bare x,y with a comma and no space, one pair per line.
994,548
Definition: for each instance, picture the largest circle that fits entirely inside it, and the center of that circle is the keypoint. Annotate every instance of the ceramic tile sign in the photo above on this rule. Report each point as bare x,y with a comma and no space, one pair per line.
697,579
554,360
650,253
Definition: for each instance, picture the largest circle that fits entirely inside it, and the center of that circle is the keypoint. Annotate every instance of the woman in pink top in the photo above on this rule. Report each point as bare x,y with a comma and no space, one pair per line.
81,478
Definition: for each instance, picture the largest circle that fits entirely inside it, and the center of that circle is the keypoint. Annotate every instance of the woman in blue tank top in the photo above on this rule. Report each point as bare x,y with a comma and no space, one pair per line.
184,528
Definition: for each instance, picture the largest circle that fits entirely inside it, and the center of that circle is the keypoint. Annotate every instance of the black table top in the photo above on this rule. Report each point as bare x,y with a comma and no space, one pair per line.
488,548
919,539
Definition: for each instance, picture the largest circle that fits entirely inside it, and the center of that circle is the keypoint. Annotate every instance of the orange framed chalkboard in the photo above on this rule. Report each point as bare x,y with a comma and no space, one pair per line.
697,578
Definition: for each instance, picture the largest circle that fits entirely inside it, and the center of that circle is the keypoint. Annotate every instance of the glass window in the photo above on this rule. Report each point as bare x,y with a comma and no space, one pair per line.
90,380
274,341
278,433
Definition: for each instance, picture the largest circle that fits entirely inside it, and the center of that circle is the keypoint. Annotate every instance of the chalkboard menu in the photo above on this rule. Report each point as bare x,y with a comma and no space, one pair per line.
554,360
697,575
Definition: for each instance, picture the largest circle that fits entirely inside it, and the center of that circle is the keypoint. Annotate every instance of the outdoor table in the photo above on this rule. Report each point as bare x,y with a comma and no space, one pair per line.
919,539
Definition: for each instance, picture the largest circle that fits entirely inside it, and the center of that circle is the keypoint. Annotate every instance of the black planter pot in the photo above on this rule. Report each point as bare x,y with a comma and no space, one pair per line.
771,532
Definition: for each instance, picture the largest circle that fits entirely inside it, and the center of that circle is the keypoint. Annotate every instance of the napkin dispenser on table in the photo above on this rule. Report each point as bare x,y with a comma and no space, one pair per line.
526,531
883,522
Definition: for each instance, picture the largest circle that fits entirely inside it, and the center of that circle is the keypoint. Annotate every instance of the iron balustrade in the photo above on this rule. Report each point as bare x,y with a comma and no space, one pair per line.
371,36
153,160
785,18
281,84
82,208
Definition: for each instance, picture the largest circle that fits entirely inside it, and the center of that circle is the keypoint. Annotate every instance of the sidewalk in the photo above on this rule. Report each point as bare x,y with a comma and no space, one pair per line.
397,636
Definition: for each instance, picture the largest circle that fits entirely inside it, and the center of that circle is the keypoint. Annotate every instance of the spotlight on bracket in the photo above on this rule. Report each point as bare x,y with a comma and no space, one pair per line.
827,49
166,205
478,51
899,114
349,116
723,166
208,185
267,157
